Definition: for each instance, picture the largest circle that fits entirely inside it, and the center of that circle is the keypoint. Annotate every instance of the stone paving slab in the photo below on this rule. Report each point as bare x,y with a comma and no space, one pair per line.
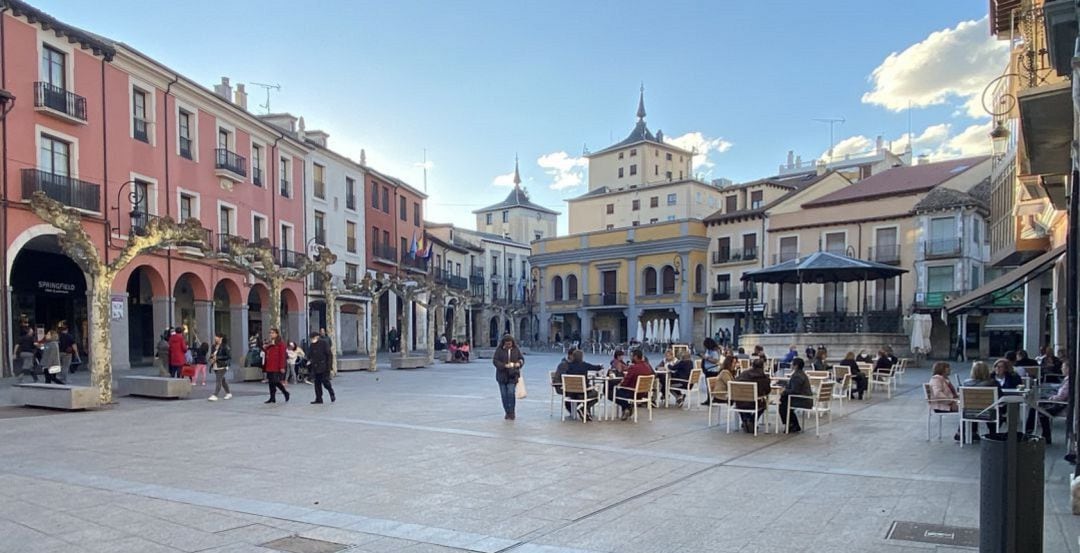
422,461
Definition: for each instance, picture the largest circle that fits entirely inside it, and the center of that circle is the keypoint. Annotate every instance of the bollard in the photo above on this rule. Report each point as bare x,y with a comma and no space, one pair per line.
1011,489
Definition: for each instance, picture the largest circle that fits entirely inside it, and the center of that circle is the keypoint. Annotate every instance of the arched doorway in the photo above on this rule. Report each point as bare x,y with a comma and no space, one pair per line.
493,332
523,330
142,286
47,288
349,328
189,289
290,320
226,295
257,298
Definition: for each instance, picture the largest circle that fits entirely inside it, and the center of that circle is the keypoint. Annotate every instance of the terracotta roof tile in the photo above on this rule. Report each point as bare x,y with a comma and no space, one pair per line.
899,181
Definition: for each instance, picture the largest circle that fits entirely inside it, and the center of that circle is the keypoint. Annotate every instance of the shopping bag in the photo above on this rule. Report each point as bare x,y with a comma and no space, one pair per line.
187,371
519,390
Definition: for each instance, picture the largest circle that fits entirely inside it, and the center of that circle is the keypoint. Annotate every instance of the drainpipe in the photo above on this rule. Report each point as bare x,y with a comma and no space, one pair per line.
5,297
168,195
1072,253
105,158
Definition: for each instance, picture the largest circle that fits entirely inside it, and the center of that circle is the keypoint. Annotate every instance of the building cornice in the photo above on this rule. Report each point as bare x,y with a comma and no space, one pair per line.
630,250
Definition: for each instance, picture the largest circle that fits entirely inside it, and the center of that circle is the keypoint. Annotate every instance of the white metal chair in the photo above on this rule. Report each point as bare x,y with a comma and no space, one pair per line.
883,377
743,392
843,390
901,367
973,401
644,386
555,391
575,384
821,402
931,413
691,385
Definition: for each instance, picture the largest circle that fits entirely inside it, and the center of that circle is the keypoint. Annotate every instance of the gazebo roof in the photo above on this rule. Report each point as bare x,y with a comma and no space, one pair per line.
821,267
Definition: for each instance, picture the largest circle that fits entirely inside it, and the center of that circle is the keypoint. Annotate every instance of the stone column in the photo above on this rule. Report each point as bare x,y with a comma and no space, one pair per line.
238,339
337,317
1057,303
204,320
119,328
163,306
1032,315
293,324
586,324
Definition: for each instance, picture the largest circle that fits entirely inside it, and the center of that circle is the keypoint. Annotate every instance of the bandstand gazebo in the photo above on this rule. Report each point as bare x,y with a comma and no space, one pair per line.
869,326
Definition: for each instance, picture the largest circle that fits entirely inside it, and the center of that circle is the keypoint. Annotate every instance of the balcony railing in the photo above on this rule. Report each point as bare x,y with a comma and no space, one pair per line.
443,276
223,243
385,252
476,276
230,161
721,295
413,262
285,188
288,258
949,247
729,255
256,176
62,188
748,294
607,298
784,256
59,100
888,254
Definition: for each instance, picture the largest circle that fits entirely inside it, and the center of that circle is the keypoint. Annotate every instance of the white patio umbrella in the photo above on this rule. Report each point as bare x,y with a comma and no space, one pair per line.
675,332
648,331
666,331
640,332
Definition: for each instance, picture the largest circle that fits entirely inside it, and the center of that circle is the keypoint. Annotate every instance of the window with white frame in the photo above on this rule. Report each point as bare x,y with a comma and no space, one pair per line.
286,186
187,207
54,67
258,228
186,133
672,198
54,156
257,164
140,123
940,279
350,236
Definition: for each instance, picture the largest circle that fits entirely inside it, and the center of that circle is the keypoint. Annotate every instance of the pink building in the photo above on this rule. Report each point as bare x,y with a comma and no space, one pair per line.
101,127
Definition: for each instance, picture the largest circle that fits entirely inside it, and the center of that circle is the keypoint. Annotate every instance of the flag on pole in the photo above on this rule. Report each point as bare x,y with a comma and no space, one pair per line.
413,246
427,251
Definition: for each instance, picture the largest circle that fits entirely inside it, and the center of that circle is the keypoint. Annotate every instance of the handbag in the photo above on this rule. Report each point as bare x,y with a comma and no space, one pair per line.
55,369
519,389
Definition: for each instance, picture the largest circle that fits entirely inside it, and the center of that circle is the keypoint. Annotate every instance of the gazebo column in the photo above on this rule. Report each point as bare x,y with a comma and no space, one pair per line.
800,322
865,315
900,292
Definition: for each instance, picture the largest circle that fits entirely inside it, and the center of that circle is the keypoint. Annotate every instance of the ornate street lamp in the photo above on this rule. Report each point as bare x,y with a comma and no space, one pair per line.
999,139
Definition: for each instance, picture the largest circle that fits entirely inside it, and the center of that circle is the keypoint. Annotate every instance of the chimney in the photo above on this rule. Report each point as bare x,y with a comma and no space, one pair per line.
224,90
240,98
363,158
923,159
798,161
880,144
790,159
300,131
318,137
821,167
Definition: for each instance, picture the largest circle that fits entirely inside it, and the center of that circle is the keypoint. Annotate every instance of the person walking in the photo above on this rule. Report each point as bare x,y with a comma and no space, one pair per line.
294,356
220,357
274,365
200,356
177,348
161,359
319,366
50,359
508,362
26,353
393,338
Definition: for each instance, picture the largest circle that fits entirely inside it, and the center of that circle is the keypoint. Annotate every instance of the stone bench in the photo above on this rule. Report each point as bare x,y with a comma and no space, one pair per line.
410,362
56,396
156,386
346,364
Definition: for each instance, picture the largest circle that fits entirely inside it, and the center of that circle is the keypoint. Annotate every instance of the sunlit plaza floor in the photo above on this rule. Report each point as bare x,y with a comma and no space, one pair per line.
422,460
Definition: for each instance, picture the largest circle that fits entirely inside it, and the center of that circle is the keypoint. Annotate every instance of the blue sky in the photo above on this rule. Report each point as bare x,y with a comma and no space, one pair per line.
477,82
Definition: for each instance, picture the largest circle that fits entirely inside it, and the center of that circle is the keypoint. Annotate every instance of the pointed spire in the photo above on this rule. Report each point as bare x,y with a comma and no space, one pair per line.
641,104
517,176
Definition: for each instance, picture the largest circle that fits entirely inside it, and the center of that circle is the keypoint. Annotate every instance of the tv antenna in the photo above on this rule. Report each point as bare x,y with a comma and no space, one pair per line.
832,137
268,88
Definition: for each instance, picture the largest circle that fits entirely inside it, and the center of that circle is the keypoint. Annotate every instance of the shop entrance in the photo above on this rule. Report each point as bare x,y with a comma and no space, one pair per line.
48,288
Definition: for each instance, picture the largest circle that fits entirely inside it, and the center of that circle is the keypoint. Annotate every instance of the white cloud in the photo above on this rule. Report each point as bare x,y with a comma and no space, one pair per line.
850,145
937,141
506,180
565,171
703,146
954,63
972,141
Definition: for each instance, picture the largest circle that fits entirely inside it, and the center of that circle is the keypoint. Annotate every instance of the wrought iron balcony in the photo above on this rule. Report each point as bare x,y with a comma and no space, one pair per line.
414,262
748,294
288,258
950,247
889,254
781,257
721,295
607,298
729,255
476,276
384,252
285,188
223,243
56,100
230,164
62,188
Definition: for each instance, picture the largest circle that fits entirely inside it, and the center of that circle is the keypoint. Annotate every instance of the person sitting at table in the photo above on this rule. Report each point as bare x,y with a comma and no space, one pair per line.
669,359
1005,376
943,394
890,355
463,349
1026,366
759,351
578,367
863,357
618,366
679,371
710,360
1050,367
810,352
720,385
755,374
638,367
883,362
792,353
564,364
798,384
979,376
1054,405
741,354
858,379
819,363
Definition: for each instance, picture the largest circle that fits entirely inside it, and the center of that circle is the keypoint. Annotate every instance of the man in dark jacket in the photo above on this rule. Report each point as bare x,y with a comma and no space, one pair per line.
319,365
578,367
679,372
755,374
508,362
798,385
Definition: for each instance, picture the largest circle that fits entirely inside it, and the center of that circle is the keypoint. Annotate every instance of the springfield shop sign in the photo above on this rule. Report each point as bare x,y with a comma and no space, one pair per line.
56,288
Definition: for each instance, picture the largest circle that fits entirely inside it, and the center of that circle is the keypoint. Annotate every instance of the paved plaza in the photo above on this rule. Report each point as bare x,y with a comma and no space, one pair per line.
422,460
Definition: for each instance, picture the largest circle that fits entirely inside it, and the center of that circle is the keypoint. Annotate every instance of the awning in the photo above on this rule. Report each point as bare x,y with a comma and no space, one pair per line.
1013,279
1004,321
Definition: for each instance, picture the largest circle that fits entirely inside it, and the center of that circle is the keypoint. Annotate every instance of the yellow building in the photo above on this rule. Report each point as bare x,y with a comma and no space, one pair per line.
597,286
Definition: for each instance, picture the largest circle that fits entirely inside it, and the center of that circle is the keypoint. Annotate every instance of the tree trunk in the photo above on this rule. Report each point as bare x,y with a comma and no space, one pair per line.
373,333
330,296
406,326
101,337
274,286
432,325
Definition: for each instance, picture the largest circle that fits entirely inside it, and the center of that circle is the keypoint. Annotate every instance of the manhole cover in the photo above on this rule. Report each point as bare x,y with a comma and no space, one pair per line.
296,544
934,533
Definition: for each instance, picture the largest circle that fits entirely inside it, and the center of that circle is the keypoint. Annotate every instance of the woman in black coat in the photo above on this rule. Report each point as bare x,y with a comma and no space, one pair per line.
508,362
